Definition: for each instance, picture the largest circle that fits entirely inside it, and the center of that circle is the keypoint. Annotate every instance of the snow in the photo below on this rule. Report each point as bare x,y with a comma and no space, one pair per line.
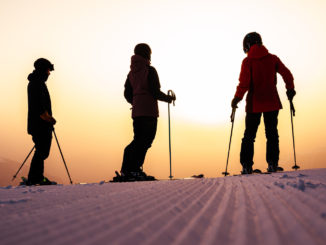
281,208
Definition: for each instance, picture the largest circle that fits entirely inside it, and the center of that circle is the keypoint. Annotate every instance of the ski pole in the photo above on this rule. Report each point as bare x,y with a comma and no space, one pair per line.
227,159
170,92
62,155
292,111
14,177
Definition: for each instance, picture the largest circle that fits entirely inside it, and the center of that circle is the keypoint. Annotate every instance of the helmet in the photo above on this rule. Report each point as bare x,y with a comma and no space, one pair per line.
143,50
251,39
43,64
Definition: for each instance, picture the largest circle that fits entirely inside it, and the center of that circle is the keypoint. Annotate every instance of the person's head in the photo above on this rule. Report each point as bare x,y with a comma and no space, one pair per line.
250,39
143,50
43,65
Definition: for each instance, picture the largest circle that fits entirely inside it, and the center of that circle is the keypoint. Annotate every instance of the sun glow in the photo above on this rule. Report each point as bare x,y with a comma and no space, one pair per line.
205,102
203,81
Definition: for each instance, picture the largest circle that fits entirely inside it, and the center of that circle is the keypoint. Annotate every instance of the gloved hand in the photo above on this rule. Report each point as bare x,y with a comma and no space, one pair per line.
48,118
290,93
171,98
235,102
52,121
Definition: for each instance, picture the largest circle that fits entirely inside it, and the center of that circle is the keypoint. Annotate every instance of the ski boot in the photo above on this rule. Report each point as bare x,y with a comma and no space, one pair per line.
279,169
246,169
142,176
43,181
273,167
123,177
132,176
24,181
46,181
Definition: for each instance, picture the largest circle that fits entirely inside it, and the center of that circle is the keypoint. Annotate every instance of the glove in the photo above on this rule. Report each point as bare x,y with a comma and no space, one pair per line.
290,93
48,118
171,98
235,101
53,121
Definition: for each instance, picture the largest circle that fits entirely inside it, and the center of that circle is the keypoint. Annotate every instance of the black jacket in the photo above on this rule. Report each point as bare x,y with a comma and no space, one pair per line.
38,102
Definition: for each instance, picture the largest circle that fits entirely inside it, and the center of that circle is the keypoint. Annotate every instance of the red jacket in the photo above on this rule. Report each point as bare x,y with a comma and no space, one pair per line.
258,77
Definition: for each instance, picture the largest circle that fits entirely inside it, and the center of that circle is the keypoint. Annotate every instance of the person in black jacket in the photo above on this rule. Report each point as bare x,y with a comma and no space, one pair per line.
142,90
40,120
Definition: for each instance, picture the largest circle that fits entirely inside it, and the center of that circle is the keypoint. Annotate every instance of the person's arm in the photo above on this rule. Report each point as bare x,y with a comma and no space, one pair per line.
285,73
48,118
244,79
128,93
35,98
244,83
287,78
155,86
38,103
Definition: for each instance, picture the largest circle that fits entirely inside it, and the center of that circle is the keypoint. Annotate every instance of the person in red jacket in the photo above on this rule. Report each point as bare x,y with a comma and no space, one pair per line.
142,91
258,78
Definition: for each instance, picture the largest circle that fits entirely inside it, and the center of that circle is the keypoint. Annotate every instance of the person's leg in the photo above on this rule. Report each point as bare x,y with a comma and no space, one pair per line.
272,145
127,158
42,141
144,138
247,145
129,153
135,152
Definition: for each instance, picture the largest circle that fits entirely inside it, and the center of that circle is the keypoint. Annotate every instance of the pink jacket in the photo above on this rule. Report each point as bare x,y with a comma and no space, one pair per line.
143,102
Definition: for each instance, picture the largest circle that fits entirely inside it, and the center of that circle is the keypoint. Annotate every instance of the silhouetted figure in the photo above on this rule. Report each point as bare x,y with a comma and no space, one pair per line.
258,77
142,90
40,120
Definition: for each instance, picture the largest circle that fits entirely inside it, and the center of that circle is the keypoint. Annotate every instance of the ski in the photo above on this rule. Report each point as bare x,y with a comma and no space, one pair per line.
120,178
254,172
45,181
132,178
258,171
199,176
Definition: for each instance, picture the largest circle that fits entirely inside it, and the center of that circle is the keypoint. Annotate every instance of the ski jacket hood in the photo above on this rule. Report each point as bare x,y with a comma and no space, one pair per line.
138,63
257,51
258,78
37,76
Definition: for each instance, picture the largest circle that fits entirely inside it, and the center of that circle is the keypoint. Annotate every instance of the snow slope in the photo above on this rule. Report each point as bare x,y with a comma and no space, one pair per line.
282,208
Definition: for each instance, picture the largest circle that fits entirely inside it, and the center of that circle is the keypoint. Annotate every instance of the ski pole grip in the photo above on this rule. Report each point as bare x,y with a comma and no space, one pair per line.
292,107
233,114
171,93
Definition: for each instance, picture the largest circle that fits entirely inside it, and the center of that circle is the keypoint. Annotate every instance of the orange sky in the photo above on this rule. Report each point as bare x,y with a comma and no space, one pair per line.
197,51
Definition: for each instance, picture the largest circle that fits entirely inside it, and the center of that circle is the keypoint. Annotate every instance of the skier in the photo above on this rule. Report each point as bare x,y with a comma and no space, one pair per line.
258,77
40,120
142,91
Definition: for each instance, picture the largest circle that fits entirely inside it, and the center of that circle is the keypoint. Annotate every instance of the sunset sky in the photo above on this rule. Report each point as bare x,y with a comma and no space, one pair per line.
197,51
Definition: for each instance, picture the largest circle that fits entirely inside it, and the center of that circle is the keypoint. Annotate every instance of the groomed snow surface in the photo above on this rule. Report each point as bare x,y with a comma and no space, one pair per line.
281,208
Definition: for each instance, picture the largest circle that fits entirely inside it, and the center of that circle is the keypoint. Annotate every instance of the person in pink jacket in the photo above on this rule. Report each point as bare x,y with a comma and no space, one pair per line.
258,78
142,91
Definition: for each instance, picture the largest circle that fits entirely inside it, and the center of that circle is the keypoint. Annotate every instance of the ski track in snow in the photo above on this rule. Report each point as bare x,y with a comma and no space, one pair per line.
281,208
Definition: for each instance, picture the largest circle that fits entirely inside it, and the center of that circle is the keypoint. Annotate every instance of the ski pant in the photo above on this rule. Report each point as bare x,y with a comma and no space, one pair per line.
42,140
135,152
271,132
